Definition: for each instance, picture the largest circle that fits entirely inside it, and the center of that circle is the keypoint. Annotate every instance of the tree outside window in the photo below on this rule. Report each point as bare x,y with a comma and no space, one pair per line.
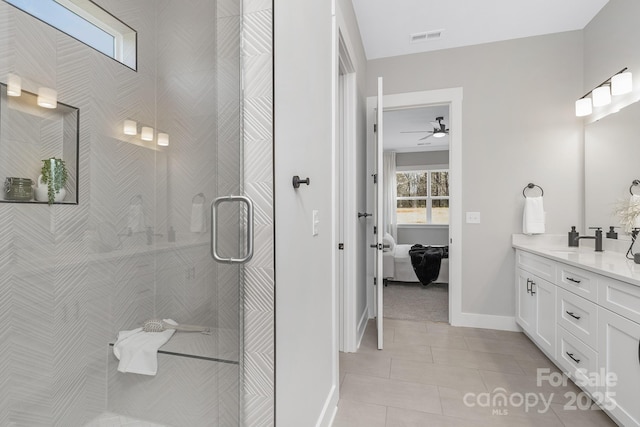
423,197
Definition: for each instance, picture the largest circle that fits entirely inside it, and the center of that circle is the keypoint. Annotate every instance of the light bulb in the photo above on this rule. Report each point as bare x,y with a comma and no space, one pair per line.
601,96
163,139
583,107
130,127
14,85
621,83
47,97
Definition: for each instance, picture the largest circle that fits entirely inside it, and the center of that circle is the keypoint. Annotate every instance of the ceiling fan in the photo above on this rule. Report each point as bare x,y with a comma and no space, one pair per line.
439,130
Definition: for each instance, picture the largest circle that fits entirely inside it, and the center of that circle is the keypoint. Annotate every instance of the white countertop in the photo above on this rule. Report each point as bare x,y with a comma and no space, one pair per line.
610,263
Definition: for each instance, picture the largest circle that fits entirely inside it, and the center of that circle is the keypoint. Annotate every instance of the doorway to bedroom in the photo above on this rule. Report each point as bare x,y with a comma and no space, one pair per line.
416,213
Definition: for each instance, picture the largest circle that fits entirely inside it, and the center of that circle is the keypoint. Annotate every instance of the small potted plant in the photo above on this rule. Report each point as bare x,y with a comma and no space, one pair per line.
54,177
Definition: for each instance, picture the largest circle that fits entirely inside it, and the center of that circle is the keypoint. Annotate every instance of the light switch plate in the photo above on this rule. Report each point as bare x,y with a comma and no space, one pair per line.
473,217
316,223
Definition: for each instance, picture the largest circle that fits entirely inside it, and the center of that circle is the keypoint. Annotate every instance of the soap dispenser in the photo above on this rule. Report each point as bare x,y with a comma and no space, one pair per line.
611,234
573,237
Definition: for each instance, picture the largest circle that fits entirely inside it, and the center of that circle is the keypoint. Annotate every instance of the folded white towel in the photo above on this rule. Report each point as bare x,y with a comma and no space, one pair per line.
136,218
138,350
197,218
533,216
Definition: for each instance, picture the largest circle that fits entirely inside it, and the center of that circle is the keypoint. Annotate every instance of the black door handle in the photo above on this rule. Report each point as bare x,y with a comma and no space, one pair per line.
573,358
573,315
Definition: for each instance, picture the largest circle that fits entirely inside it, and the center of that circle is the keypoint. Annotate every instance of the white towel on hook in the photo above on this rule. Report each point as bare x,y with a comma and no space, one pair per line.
138,350
197,218
136,218
533,216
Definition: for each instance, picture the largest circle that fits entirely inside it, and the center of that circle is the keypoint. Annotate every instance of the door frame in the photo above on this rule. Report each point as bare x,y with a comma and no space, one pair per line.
346,213
452,97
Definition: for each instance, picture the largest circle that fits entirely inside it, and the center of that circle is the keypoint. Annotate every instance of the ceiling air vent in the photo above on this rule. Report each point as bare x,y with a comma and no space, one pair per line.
427,35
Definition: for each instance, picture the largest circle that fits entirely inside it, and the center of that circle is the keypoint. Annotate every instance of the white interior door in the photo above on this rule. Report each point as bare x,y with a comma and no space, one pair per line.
378,216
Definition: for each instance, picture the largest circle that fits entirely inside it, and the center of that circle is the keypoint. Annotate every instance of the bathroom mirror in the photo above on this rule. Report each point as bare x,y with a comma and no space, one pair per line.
612,163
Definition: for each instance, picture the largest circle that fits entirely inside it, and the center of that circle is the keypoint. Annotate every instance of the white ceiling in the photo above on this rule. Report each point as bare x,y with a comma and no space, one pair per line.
386,26
412,120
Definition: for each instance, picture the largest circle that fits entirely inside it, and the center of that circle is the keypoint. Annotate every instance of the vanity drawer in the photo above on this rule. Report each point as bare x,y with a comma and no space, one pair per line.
620,297
578,316
580,282
540,266
576,359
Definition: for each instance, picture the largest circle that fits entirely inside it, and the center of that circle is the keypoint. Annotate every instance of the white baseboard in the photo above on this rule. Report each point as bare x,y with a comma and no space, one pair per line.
329,409
487,321
362,326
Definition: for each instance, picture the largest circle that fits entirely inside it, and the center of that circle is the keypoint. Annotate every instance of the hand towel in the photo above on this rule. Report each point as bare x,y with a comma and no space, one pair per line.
138,350
533,216
136,218
197,218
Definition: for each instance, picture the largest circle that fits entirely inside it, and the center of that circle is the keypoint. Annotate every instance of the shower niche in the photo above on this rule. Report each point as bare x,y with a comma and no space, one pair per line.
32,130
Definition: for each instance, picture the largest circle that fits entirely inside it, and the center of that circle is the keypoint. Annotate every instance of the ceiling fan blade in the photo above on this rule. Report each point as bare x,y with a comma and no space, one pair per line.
435,125
414,131
428,136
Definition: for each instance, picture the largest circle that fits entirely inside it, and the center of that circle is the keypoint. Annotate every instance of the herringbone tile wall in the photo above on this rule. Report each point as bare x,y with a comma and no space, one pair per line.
68,283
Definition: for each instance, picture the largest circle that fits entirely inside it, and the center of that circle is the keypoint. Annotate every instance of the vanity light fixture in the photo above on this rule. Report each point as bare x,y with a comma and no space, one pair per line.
14,85
147,133
47,97
163,139
130,127
619,84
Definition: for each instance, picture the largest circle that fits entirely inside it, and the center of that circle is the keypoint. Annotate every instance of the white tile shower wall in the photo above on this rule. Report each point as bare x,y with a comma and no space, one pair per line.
259,375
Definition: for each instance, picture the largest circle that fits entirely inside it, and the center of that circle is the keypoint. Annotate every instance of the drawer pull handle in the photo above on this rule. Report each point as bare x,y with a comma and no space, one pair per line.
571,279
573,315
573,358
532,291
529,286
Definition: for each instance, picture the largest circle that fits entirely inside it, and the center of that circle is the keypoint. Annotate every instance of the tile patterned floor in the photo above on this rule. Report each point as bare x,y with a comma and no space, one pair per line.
436,375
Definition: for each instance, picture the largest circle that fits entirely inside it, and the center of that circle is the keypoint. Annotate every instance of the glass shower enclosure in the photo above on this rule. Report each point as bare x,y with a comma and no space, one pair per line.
147,152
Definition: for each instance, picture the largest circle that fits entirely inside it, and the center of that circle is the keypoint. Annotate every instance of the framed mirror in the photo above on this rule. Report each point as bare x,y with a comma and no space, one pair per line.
612,163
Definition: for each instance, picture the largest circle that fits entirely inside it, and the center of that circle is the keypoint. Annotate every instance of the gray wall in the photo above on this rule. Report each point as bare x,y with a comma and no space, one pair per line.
422,158
305,341
610,44
528,87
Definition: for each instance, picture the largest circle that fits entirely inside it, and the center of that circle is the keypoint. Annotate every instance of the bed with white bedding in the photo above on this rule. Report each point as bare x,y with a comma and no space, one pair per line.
396,263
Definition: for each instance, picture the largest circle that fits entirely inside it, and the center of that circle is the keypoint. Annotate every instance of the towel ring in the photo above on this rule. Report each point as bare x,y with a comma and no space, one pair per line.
633,184
136,198
193,199
532,185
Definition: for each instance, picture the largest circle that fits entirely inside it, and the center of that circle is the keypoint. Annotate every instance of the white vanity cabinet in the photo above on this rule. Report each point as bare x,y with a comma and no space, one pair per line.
536,301
619,353
588,323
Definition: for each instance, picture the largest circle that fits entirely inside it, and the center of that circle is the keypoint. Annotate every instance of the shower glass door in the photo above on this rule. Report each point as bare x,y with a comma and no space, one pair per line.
151,149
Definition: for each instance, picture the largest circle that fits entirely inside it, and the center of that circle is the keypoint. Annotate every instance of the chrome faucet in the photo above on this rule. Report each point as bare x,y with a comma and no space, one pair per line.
597,237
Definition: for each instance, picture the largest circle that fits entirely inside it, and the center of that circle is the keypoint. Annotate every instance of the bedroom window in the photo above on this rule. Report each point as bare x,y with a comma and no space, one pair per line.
423,197
88,23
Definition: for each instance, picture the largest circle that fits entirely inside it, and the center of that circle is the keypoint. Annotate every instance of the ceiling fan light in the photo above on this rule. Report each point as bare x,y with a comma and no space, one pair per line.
439,134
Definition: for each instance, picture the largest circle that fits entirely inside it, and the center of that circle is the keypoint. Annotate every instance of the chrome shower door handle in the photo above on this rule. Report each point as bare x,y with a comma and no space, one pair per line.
214,229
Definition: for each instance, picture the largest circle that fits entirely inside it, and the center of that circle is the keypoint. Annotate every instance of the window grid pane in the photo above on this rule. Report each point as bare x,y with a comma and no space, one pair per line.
414,205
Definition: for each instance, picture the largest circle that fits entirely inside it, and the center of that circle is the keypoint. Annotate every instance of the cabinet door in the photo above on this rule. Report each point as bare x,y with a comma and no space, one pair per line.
619,354
544,294
525,302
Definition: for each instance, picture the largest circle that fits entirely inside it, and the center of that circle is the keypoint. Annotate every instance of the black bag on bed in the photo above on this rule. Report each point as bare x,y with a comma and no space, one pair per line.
426,261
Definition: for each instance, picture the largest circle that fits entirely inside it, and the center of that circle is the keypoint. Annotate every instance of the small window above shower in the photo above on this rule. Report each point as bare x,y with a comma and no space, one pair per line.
88,23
